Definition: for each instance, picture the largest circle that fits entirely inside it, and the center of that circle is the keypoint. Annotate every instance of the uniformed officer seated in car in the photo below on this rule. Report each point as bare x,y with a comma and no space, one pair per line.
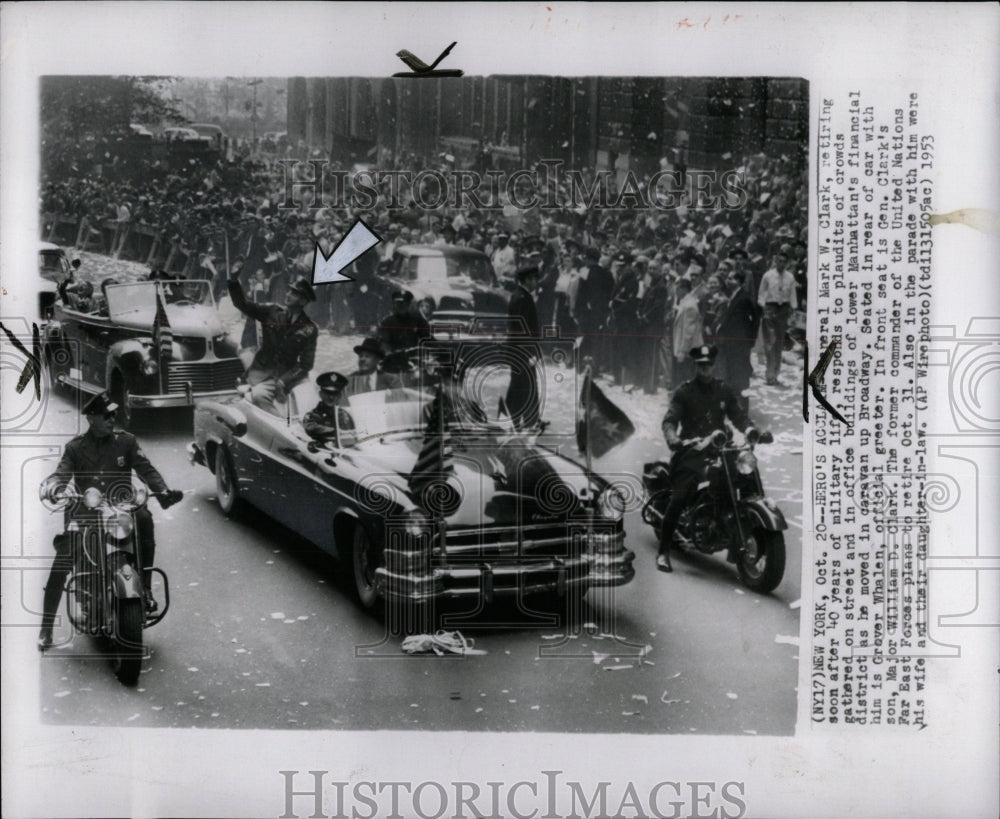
698,408
100,458
320,423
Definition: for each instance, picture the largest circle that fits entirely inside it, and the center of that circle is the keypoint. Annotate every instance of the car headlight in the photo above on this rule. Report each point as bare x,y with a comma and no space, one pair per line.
611,504
417,523
746,463
92,498
150,367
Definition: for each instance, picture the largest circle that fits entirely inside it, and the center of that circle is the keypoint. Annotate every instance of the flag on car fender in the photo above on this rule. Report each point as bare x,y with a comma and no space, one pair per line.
163,337
601,424
435,464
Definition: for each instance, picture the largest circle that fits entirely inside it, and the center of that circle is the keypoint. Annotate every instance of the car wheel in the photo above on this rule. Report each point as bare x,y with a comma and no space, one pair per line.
226,485
366,557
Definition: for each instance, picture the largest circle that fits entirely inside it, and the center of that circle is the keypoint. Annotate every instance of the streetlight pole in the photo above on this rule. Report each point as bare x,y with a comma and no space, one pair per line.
253,116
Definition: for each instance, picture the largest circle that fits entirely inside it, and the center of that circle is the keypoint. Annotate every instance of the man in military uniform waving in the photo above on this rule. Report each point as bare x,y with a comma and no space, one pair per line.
698,408
288,340
100,458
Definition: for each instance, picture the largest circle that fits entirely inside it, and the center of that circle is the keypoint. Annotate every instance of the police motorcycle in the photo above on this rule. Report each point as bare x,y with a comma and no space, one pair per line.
104,590
728,511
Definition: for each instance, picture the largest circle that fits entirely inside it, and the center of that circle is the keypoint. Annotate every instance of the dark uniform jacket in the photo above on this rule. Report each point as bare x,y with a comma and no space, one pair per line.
701,408
288,343
319,423
522,315
102,462
402,332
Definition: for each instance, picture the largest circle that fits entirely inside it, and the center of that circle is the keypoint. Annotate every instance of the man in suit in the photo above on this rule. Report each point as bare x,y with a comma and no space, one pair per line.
369,377
522,328
736,333
403,328
651,316
624,306
687,330
592,299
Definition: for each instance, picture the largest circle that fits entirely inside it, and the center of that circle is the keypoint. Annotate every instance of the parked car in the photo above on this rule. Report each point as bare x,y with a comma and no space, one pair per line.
459,283
53,268
140,131
211,133
517,519
181,135
109,341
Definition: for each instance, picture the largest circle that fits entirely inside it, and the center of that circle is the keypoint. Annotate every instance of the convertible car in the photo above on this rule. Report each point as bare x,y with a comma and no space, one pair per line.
500,515
149,343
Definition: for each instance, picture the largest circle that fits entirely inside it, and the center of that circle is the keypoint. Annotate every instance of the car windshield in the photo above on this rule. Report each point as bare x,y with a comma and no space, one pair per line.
386,411
438,269
52,265
136,301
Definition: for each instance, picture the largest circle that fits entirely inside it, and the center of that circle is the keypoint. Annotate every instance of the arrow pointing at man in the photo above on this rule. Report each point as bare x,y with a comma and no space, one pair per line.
355,243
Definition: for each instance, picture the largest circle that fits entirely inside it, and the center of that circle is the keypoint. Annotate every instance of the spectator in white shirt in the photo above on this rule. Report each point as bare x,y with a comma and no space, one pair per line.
777,299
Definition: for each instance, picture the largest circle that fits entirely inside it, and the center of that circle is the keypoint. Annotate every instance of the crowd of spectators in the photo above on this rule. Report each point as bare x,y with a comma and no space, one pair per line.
639,287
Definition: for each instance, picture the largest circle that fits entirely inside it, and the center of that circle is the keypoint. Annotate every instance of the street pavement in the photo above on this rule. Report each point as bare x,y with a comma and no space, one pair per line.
262,631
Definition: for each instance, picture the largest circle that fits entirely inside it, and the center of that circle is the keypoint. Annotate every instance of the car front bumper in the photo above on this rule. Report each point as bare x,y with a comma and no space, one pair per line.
174,399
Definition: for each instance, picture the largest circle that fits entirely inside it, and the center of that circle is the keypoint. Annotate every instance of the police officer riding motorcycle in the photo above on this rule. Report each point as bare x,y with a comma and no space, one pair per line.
710,496
95,470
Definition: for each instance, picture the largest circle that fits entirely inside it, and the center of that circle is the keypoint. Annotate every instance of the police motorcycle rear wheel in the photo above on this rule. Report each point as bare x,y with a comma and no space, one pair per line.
760,561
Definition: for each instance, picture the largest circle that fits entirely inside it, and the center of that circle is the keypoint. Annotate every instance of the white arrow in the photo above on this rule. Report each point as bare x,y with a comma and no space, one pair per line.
357,241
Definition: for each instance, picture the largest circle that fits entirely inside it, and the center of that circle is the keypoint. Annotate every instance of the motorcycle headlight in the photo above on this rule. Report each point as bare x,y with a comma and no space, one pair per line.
150,367
752,436
140,494
122,526
746,463
417,523
92,498
611,504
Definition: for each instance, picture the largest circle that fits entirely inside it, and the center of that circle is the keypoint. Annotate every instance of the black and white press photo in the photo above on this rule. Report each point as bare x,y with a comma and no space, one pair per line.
521,410
535,466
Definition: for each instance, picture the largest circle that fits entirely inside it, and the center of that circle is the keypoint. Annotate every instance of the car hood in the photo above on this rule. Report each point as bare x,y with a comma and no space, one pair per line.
500,481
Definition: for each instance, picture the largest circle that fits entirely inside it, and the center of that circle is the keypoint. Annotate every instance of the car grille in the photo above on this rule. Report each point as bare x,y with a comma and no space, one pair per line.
205,376
547,540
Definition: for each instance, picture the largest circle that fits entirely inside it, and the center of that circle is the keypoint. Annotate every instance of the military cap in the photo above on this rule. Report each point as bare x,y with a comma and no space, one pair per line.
705,354
303,287
331,381
524,272
100,404
402,295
